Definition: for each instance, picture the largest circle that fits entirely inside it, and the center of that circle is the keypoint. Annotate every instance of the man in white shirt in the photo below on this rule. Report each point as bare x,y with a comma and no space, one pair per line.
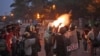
93,36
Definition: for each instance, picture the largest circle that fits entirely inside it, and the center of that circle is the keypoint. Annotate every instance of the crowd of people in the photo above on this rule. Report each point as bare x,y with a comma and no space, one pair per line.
60,42
67,40
14,43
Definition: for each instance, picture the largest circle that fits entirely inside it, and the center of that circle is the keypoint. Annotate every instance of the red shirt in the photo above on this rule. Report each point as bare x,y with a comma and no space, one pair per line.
9,40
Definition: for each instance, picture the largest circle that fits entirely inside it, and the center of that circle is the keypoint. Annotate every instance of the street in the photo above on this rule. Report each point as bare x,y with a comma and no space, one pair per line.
79,52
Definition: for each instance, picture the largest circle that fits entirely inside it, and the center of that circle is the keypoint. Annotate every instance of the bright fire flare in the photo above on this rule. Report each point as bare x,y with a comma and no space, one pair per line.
62,21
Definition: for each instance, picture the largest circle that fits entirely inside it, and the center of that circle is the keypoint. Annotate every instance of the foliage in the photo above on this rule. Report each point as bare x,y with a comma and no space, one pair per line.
80,8
20,8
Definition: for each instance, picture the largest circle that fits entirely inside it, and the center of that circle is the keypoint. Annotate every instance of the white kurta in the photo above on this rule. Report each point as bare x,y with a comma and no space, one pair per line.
91,35
28,46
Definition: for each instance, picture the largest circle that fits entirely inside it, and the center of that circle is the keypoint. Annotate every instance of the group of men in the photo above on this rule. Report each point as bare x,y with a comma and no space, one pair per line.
66,41
62,41
14,43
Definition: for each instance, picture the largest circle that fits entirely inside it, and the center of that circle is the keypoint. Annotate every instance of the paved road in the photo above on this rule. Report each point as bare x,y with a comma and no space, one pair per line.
79,52
42,53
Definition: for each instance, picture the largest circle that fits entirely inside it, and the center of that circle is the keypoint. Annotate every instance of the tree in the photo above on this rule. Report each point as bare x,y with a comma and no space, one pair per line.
94,10
20,8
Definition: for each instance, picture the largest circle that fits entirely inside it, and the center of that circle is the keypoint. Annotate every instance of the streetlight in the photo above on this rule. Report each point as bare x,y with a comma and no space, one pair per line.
54,6
12,14
38,15
4,17
11,17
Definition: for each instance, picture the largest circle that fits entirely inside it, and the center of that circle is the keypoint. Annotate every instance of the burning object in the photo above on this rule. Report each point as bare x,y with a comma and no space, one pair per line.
62,21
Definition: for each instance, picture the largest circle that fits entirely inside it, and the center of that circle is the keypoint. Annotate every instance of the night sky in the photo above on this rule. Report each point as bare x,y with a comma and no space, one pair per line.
5,7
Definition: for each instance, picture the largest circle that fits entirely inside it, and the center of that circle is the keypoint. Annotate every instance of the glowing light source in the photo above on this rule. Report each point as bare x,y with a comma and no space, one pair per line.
38,15
54,6
4,17
62,21
19,21
11,14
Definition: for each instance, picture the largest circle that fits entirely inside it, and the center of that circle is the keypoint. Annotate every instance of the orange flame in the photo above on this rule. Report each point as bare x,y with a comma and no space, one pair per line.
62,21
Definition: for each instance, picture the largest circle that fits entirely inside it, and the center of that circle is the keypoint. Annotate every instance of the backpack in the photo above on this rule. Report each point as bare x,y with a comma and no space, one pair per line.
2,45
